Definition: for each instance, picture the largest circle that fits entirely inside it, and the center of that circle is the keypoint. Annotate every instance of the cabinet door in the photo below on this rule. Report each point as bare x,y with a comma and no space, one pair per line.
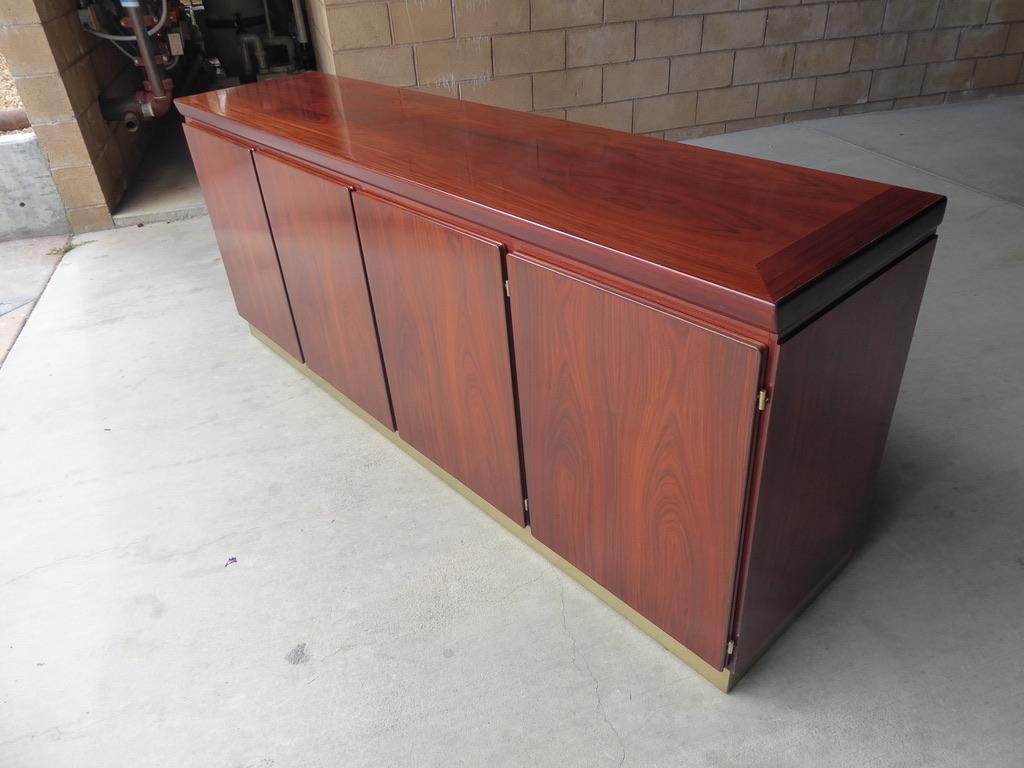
637,432
440,302
315,232
228,178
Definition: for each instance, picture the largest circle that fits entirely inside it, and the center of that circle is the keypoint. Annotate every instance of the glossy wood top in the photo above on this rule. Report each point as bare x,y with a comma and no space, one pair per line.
699,224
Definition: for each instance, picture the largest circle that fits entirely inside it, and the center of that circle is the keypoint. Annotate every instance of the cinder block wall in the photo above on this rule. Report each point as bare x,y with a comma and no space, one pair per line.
60,71
680,68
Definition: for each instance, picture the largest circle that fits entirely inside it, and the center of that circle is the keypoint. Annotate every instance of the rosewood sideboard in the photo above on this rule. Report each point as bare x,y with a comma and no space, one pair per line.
669,369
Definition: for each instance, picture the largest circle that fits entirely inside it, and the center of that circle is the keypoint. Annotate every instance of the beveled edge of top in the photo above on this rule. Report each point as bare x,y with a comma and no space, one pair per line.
910,216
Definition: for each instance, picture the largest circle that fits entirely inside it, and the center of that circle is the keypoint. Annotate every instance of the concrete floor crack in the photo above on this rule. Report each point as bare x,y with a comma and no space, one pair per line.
575,658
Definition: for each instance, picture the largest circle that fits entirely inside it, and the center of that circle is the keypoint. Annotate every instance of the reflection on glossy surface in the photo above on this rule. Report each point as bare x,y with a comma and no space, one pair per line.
733,221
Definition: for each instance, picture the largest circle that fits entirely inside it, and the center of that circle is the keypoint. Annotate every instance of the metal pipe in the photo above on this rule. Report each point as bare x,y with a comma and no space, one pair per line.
300,22
248,40
13,119
153,72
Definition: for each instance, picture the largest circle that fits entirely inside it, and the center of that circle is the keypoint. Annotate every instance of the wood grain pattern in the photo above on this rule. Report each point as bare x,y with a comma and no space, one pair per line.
736,234
439,298
318,247
832,401
637,430
233,199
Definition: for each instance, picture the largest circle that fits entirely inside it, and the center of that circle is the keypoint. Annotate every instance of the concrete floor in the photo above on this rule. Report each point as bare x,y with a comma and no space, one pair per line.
375,618
165,187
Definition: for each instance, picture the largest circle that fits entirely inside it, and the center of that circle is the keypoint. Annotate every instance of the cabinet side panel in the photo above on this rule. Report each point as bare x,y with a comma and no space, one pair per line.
637,431
831,405
440,304
315,232
228,180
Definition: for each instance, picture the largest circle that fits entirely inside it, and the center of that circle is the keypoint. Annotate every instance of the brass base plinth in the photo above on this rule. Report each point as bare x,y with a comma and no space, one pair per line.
721,679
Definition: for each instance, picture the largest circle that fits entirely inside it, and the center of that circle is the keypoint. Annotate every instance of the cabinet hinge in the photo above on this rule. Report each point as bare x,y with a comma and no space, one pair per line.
762,399
506,289
526,505
730,649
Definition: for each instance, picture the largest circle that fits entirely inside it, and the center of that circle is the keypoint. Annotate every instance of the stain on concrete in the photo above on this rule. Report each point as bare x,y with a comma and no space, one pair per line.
297,655
447,653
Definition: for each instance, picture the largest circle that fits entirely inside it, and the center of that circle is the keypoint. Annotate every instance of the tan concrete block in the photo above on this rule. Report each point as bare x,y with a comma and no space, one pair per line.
1006,10
785,96
358,26
79,186
491,17
448,90
733,30
96,131
93,218
934,45
606,44
51,9
814,114
753,122
871,106
791,25
854,18
726,104
635,79
822,57
1015,40
668,37
108,63
694,132
747,5
962,96
629,10
568,88
18,12
961,13
416,21
557,114
44,97
907,15
447,60
948,76
617,116
63,144
895,83
683,7
68,41
110,171
982,41
915,102
759,65
508,92
653,135
999,70
390,66
27,51
660,113
700,71
551,14
878,51
838,90
529,52
82,86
